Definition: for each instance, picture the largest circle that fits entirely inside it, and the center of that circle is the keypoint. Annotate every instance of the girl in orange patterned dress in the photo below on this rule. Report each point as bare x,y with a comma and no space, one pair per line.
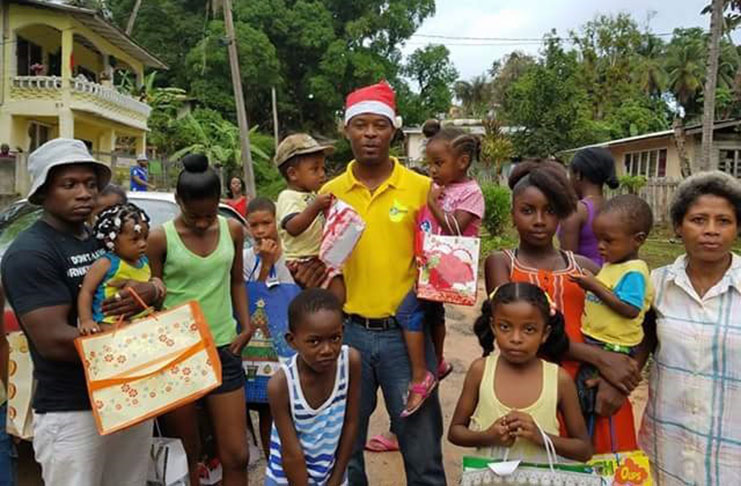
541,198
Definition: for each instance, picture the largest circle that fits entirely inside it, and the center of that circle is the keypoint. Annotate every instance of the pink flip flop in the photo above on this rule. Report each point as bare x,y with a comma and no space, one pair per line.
443,369
424,389
381,443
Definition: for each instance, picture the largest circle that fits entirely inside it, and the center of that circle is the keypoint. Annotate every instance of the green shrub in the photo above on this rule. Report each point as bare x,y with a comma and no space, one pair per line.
498,202
632,183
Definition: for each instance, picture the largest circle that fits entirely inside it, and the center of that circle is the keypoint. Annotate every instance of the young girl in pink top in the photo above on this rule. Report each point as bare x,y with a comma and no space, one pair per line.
455,206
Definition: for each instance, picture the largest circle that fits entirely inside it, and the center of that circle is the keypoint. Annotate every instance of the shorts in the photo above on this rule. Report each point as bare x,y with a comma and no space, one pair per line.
413,313
232,373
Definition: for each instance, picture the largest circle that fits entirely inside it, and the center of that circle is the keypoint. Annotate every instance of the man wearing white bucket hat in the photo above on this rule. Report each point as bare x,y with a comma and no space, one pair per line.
41,274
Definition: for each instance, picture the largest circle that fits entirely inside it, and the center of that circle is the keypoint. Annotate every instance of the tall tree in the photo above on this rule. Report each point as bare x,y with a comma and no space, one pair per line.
545,104
711,82
475,95
684,67
132,17
433,72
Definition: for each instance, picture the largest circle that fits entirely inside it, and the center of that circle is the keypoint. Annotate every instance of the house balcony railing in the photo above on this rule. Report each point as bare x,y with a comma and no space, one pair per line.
37,82
110,95
87,89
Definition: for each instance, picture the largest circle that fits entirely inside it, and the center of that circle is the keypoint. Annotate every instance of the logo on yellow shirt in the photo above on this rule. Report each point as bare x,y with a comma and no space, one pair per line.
397,211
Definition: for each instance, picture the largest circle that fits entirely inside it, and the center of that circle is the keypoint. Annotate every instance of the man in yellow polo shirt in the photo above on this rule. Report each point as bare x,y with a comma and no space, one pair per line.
378,275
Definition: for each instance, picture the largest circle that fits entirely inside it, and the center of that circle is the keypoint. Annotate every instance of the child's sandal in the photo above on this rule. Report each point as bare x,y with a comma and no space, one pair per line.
443,369
423,389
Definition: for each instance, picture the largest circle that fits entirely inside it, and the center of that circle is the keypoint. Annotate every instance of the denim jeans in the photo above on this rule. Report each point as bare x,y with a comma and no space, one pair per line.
385,363
7,465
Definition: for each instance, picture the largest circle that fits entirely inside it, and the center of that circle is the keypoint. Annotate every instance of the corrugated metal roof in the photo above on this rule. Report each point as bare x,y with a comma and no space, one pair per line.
93,21
691,130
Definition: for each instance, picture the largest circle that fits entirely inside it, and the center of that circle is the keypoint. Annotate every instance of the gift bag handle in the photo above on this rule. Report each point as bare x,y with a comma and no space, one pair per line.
455,221
550,449
146,309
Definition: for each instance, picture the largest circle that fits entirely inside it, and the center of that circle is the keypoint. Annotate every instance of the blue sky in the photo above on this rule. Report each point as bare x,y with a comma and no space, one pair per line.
531,19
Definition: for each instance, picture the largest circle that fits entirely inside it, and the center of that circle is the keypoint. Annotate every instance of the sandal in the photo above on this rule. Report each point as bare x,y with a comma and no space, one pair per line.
443,369
423,389
381,443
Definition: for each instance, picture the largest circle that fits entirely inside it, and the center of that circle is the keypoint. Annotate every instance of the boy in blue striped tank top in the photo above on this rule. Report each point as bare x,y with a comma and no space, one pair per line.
314,398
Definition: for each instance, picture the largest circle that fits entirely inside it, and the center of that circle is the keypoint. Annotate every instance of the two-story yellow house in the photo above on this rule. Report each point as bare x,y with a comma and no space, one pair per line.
57,66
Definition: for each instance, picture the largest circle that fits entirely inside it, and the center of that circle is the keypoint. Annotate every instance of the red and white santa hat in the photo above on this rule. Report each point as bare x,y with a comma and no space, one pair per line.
377,99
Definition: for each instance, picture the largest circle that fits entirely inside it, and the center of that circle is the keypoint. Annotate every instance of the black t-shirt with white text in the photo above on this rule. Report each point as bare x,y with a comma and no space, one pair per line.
45,267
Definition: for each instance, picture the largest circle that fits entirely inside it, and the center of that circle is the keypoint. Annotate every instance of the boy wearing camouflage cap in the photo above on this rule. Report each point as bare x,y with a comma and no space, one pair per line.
299,211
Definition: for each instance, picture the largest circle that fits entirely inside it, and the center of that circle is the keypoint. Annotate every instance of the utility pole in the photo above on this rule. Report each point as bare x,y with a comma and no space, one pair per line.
711,82
275,118
244,130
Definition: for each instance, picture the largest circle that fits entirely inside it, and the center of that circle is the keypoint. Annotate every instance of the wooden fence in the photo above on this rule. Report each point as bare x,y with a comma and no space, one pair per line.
658,193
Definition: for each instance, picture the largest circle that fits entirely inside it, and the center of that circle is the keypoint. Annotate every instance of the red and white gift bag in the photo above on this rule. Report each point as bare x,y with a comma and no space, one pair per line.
448,266
342,230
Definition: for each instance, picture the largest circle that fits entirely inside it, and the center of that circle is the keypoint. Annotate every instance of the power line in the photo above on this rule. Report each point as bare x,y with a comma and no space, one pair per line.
512,39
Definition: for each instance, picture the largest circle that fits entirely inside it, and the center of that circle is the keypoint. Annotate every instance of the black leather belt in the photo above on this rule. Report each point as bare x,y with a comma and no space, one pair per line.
381,324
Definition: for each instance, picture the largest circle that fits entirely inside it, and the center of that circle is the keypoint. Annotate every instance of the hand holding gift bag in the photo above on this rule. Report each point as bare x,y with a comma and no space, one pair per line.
342,230
149,367
448,266
486,472
20,387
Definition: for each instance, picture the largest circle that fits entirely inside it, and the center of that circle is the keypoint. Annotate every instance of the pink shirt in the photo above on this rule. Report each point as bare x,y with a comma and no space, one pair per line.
460,196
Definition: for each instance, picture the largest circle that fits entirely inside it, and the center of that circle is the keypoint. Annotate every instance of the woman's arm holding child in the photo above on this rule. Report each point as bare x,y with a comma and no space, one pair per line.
291,455
577,445
350,426
298,223
459,433
90,284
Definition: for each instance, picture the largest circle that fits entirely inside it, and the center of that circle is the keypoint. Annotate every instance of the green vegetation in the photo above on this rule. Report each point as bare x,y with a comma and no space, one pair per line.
609,78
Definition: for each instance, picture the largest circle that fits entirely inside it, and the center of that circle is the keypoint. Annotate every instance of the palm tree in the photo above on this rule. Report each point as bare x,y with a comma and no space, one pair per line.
685,70
650,74
474,95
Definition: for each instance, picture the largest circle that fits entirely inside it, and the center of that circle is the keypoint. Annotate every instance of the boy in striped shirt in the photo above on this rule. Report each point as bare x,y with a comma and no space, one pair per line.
314,398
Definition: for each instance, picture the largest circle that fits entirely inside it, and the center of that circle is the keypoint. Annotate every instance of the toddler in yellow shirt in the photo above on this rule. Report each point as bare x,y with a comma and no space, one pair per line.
618,297
300,210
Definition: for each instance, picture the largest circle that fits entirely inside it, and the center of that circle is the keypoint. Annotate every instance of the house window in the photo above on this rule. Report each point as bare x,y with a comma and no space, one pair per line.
39,135
729,162
28,54
648,163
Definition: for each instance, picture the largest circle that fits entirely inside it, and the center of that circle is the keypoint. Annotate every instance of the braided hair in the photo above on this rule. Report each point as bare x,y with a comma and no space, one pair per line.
461,142
111,221
557,343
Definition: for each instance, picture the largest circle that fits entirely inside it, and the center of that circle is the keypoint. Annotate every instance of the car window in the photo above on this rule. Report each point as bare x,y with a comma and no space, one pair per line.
159,211
15,219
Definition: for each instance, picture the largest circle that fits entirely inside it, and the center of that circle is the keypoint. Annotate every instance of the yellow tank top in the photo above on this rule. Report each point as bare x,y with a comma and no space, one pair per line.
119,270
544,411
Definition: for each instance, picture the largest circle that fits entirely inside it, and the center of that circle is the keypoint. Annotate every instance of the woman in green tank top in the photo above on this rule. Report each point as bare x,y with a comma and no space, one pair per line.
198,255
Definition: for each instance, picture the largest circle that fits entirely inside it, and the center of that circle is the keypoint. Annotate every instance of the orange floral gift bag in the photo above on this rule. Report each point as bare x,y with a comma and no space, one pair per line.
149,367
